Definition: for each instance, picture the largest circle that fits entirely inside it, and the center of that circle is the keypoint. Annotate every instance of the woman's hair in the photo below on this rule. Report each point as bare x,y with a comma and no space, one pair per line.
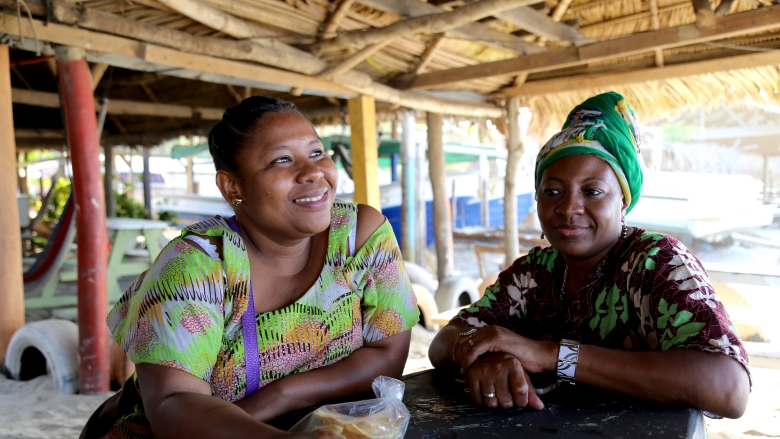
237,127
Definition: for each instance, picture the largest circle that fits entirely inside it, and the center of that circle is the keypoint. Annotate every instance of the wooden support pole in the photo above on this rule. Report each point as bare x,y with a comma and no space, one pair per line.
484,170
108,180
147,182
408,192
442,221
365,160
515,153
79,105
97,71
12,291
767,181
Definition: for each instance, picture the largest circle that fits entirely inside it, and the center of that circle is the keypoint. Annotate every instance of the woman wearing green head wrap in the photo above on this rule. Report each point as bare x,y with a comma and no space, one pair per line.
607,305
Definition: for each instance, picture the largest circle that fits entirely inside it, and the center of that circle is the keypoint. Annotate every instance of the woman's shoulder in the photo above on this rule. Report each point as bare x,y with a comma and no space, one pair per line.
652,243
538,258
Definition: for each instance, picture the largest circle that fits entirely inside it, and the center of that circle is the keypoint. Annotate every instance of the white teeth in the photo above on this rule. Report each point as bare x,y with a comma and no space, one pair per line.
308,200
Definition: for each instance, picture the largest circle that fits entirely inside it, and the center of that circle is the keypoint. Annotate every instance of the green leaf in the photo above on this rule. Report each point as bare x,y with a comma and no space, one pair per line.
624,314
649,264
682,317
663,307
490,295
484,302
472,309
594,322
688,330
666,344
662,321
653,251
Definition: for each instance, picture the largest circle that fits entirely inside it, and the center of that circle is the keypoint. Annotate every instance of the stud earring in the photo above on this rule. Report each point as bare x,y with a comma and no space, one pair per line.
237,202
542,235
625,230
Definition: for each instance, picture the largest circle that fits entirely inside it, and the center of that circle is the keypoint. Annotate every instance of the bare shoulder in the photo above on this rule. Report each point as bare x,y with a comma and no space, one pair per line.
368,220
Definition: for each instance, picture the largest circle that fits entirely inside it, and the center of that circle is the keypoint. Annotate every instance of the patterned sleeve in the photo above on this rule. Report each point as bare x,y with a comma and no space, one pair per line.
172,314
388,304
507,301
677,304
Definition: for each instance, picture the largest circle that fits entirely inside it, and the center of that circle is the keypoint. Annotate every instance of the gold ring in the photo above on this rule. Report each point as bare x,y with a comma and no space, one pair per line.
471,343
488,395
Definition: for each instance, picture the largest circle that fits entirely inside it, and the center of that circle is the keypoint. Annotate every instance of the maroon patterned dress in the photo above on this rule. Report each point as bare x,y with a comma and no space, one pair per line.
653,295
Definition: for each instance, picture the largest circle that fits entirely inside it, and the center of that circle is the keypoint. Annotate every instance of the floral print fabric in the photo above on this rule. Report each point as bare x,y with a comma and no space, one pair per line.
654,295
185,311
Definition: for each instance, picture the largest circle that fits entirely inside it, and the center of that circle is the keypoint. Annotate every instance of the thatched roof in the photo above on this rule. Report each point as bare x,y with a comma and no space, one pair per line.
290,30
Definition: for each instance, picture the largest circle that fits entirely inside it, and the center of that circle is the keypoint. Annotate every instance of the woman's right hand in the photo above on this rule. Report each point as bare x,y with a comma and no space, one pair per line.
502,374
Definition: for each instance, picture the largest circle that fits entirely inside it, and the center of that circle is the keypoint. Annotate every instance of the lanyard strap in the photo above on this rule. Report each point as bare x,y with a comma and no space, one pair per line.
249,328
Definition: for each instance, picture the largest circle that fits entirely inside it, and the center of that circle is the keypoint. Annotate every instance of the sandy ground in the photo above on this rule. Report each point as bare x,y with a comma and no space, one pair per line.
34,409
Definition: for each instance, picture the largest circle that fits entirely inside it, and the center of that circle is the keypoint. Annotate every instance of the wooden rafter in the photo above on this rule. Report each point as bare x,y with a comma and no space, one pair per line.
541,25
604,80
233,92
427,56
705,17
153,96
477,32
353,60
434,23
121,107
334,18
733,25
97,70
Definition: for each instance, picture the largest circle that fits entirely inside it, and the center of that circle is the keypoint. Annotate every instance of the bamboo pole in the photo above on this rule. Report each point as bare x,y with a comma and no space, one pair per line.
408,192
12,292
442,222
147,182
515,153
365,162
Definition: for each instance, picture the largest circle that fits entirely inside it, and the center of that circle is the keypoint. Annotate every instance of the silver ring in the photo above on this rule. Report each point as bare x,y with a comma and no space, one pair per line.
471,331
488,395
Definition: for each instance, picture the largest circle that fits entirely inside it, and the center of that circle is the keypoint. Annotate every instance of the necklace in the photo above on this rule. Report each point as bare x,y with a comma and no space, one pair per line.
590,278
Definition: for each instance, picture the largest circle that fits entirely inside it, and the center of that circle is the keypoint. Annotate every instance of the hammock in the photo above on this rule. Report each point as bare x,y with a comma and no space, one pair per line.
49,262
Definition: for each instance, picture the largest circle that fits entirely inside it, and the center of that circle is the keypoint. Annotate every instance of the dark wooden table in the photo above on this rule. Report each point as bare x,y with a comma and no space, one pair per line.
441,409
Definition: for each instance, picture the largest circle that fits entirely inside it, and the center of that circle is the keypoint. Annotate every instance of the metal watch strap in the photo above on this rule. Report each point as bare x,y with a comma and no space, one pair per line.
568,354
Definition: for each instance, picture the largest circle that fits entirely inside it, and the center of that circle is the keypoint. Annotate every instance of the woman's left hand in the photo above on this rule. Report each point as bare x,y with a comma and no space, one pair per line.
535,356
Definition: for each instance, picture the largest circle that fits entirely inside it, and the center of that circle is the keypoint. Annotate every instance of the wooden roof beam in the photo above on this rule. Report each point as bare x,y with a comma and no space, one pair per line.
121,107
352,61
733,25
476,32
433,23
605,80
427,56
541,25
333,20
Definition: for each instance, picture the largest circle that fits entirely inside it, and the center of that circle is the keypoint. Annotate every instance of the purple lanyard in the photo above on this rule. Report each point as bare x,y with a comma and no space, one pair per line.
249,328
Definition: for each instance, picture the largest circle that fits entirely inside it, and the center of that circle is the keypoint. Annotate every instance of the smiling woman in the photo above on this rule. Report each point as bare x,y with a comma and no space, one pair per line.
607,305
296,300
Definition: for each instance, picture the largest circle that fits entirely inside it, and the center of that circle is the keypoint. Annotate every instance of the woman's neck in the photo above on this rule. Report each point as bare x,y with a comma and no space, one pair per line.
279,257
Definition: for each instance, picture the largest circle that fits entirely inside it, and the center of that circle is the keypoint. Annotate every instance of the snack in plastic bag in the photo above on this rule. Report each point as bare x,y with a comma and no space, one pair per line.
385,417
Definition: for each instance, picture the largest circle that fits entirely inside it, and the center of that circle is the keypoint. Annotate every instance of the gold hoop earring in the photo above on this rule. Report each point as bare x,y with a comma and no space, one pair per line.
237,202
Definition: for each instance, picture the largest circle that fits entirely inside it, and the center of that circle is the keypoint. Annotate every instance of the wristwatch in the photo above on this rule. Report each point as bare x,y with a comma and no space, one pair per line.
568,353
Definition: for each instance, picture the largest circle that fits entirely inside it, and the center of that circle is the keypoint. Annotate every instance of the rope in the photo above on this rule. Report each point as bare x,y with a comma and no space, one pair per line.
19,4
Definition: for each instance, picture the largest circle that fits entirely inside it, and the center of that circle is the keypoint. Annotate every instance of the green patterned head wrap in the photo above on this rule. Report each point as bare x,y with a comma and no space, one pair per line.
606,127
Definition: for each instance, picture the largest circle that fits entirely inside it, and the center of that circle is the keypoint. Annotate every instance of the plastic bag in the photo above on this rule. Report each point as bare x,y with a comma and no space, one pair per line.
385,417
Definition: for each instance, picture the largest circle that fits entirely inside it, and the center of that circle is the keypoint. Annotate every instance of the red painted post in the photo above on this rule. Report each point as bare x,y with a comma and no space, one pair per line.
79,105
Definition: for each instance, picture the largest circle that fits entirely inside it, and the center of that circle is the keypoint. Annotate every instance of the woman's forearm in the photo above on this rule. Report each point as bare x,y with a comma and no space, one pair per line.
440,351
708,381
205,416
349,376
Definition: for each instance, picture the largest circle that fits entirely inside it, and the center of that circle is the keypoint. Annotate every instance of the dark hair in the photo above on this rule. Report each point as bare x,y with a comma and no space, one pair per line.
234,132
